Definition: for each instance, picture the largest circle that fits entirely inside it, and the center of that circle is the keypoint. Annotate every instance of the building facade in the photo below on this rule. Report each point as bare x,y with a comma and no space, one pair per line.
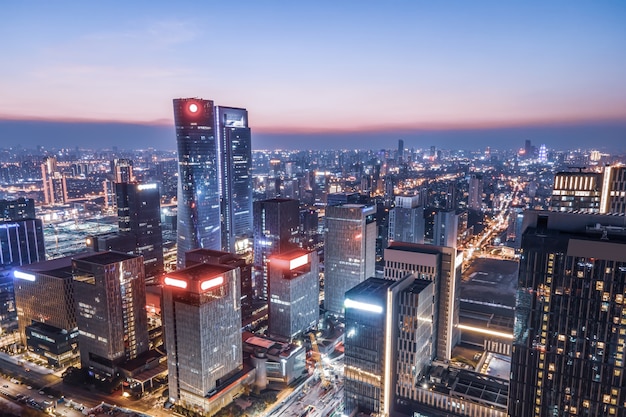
442,266
349,251
293,293
139,214
276,224
406,220
570,322
199,222
110,294
202,322
235,152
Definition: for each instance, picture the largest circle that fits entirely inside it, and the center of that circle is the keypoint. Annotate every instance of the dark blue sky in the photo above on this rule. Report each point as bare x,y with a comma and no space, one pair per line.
602,136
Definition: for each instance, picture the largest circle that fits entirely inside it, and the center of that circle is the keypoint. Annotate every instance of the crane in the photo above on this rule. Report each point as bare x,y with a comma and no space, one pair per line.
325,382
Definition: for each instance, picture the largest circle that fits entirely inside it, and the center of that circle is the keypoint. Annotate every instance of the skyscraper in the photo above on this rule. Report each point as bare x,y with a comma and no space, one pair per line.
349,251
110,293
202,322
235,174
570,324
439,264
293,293
139,213
199,223
406,221
276,224
53,181
475,198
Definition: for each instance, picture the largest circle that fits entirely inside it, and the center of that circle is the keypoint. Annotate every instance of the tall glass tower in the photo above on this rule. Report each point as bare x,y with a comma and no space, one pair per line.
198,185
235,154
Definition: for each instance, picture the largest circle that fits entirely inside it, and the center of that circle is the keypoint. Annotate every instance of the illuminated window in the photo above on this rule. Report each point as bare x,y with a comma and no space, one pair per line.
599,285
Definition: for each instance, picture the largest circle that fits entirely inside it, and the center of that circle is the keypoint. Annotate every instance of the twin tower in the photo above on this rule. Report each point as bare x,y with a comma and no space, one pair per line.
215,181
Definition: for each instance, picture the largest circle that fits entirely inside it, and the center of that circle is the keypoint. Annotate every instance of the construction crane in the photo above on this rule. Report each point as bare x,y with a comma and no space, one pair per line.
318,360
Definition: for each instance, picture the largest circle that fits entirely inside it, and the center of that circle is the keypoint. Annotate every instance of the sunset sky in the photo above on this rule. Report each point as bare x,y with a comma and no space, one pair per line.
316,68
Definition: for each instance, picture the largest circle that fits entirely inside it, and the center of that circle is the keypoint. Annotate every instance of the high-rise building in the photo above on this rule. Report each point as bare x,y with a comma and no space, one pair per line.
400,150
21,243
439,264
54,183
202,322
122,170
349,251
44,294
207,256
406,221
110,294
388,341
235,151
446,229
570,325
293,293
613,199
580,191
199,222
276,223
139,213
20,209
475,197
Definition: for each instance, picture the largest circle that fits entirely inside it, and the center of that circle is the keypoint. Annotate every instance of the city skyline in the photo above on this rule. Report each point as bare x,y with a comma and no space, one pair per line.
317,75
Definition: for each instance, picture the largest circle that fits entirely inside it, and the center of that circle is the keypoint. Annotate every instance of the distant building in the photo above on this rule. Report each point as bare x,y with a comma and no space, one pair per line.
475,197
202,322
293,294
570,318
54,182
406,221
122,170
20,209
110,293
276,224
349,251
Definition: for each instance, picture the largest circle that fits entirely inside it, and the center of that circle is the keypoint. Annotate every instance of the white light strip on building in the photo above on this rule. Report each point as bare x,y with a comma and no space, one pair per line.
24,275
486,331
173,282
362,306
604,195
211,283
147,187
299,261
388,349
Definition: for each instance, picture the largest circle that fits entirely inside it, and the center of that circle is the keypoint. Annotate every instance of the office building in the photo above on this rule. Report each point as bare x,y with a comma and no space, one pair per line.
349,251
235,158
276,223
577,191
19,209
475,197
446,229
293,293
388,341
122,170
44,293
53,181
406,220
139,214
202,322
199,222
442,266
110,294
613,199
207,256
570,325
